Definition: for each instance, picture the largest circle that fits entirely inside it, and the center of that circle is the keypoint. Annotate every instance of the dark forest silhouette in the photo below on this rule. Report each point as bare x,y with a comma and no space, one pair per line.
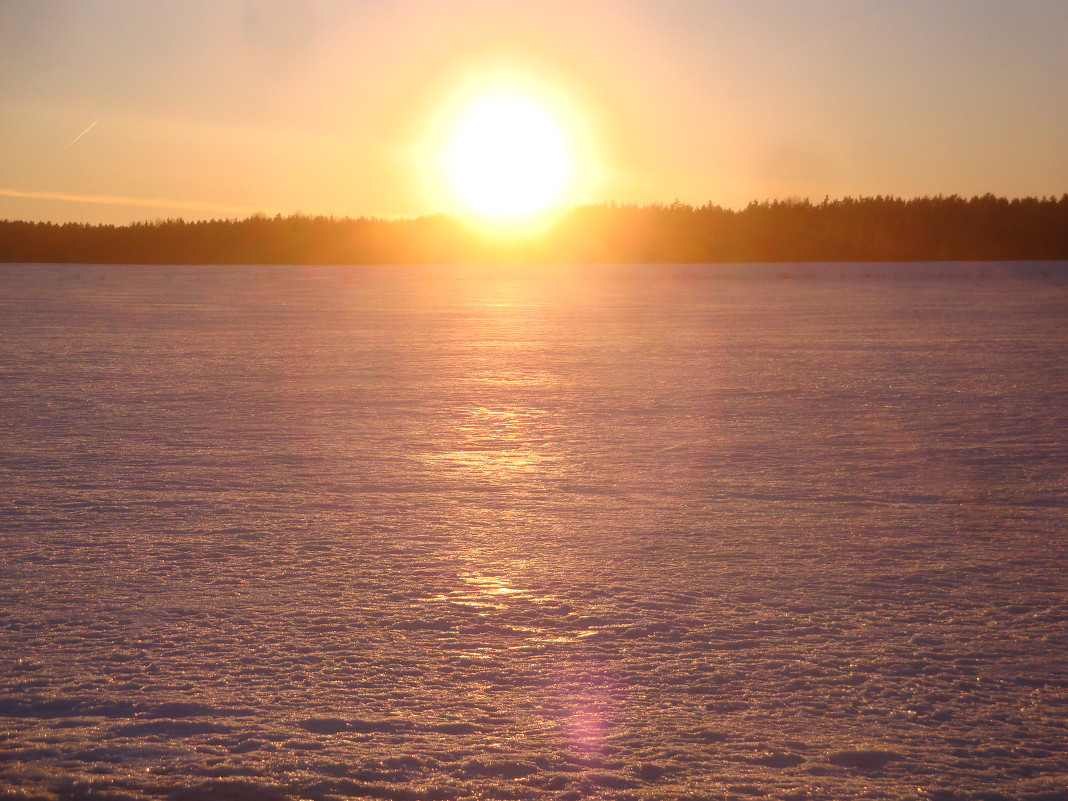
865,229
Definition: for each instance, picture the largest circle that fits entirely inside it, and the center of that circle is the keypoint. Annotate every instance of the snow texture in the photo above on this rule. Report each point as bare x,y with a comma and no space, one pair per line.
621,533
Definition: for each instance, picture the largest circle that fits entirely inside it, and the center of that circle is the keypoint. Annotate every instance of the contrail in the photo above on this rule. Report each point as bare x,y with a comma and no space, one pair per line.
83,133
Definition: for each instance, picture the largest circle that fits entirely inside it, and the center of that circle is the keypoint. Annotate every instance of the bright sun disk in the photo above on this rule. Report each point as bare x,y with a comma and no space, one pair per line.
507,157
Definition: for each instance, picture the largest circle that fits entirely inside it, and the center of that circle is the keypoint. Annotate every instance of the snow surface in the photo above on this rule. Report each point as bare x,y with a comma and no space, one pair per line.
414,533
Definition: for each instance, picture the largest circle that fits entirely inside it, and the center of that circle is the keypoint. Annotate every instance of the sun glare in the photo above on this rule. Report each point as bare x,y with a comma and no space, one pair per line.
508,157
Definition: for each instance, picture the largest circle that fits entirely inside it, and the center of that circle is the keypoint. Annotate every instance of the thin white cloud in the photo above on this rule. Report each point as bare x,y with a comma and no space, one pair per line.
121,200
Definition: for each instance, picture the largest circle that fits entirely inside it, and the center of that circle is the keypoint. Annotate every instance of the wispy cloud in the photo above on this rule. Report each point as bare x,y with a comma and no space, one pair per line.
122,200
83,133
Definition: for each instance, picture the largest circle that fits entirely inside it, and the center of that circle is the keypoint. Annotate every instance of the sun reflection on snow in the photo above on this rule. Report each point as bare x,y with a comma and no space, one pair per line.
507,618
494,444
491,585
498,388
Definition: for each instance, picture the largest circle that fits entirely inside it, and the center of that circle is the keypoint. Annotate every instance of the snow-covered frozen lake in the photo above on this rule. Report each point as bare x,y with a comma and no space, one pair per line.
622,533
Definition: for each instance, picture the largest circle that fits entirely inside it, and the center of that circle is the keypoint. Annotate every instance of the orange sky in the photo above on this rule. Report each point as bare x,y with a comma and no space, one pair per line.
224,108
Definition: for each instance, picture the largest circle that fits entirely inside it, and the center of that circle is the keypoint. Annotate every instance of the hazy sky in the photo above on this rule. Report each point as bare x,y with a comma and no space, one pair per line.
220,108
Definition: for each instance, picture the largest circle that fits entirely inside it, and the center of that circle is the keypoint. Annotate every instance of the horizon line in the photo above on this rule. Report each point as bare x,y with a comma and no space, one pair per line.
249,212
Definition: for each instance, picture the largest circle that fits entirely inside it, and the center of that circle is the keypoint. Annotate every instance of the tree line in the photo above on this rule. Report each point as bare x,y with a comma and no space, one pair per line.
850,229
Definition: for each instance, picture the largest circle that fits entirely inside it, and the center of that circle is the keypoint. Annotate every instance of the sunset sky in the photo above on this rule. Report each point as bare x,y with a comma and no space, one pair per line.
122,110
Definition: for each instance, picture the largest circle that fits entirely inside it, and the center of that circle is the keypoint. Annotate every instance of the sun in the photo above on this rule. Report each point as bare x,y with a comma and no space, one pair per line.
507,157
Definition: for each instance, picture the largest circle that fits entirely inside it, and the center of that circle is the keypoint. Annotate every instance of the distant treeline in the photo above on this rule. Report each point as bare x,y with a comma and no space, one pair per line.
851,229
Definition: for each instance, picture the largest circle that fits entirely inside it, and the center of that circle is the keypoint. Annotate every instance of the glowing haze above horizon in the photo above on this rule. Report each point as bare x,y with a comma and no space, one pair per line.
130,110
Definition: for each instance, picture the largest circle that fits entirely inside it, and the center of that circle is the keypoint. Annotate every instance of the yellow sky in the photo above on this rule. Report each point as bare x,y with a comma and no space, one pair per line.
223,108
